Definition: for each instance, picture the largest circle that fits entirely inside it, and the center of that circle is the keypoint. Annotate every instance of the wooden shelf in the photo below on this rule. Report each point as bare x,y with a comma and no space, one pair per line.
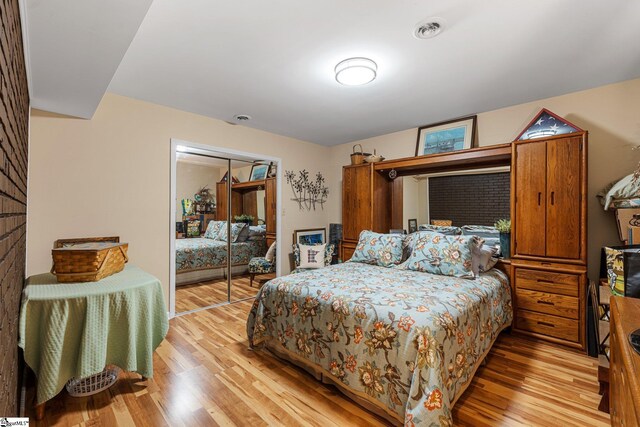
474,158
249,185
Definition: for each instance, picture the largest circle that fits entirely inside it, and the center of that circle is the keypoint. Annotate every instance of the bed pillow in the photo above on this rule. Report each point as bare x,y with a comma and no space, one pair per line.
236,229
384,250
213,229
256,230
491,235
483,258
312,256
447,230
444,255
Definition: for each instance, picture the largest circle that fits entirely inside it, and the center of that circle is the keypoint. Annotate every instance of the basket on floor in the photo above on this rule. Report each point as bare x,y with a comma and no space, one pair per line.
93,384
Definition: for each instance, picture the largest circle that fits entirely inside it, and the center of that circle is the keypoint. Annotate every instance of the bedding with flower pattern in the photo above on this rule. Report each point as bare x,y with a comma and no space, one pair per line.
408,342
203,253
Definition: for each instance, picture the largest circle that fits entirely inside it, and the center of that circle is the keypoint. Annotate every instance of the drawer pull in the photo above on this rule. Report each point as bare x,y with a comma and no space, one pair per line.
551,325
548,282
545,302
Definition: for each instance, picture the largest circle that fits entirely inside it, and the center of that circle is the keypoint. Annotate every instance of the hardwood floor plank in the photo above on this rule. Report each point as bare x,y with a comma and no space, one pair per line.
206,374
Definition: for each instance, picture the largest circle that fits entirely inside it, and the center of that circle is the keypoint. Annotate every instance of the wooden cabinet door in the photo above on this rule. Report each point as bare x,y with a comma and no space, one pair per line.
530,193
221,201
270,204
356,201
563,198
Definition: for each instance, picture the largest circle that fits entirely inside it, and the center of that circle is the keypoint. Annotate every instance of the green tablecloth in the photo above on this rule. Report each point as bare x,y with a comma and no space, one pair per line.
74,329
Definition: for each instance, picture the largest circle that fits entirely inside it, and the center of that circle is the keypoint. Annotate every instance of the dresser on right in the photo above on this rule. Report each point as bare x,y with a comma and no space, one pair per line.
549,237
624,371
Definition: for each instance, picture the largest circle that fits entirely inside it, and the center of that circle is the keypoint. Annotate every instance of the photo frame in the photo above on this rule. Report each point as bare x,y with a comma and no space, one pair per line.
413,225
259,172
310,236
445,137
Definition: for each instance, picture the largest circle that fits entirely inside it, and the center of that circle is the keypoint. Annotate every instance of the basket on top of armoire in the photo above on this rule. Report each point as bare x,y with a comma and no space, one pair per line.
88,259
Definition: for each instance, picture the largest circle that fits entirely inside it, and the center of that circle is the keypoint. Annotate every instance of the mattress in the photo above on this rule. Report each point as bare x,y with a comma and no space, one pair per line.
405,344
203,253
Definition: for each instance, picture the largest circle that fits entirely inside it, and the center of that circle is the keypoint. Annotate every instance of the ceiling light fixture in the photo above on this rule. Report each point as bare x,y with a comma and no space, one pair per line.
356,71
429,28
242,117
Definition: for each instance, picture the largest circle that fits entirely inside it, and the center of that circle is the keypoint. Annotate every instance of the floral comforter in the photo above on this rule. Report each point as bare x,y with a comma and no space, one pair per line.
204,253
406,341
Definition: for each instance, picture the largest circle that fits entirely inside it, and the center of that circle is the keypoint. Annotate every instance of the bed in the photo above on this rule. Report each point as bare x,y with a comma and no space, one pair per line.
204,254
402,343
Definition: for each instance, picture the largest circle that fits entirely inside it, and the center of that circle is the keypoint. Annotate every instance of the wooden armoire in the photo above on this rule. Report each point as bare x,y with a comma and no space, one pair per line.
549,237
366,204
270,209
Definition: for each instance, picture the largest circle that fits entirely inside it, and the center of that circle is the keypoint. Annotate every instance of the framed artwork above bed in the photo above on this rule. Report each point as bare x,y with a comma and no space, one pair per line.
444,137
310,236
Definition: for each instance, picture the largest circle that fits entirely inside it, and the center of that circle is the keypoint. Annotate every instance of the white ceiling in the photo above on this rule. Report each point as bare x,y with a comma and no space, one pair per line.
274,59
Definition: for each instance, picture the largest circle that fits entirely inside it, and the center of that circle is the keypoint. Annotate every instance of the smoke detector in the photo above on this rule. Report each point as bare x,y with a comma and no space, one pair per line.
242,117
429,28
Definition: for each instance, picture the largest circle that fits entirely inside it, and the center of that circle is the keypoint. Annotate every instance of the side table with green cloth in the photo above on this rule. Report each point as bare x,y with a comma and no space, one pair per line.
74,329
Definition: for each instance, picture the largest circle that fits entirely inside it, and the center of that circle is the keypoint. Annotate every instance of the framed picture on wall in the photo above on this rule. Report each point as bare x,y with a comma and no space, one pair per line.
444,137
413,225
311,236
258,172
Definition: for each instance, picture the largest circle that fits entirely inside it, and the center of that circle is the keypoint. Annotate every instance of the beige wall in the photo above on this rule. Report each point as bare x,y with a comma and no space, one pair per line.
610,113
190,178
110,176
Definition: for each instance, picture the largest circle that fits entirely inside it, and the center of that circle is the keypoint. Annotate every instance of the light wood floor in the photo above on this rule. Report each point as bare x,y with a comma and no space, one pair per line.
205,294
206,375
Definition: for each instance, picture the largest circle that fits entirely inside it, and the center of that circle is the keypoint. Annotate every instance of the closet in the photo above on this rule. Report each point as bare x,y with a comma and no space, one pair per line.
549,185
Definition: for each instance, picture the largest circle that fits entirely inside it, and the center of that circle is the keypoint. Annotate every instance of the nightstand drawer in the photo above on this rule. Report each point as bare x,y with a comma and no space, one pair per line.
546,281
544,302
545,324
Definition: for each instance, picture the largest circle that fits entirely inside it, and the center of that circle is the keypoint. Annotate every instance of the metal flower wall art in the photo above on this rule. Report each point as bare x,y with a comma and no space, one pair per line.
309,194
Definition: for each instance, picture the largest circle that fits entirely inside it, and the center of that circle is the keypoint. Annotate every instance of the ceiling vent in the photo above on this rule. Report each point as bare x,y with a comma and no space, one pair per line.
242,117
429,28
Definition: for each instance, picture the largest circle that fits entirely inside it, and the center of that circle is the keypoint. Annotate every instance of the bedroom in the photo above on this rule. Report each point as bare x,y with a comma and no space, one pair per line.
98,108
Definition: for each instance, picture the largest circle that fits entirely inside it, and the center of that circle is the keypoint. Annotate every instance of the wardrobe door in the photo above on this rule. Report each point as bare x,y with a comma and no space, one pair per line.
530,193
270,204
356,201
221,201
563,198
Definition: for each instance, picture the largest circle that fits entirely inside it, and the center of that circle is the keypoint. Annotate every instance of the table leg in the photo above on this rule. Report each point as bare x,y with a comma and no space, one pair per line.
40,411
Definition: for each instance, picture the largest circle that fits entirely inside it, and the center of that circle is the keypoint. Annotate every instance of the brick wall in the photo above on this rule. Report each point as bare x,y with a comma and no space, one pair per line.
14,117
470,199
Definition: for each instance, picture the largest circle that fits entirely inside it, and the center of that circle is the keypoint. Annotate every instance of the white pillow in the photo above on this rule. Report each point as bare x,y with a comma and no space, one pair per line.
483,259
271,253
312,256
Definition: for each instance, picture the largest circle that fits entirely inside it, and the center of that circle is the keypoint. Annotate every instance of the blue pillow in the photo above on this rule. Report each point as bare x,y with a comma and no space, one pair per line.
444,255
447,230
384,250
236,229
213,229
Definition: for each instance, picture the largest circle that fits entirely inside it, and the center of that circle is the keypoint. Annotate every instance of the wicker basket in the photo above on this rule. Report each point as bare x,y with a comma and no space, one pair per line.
93,384
357,157
88,260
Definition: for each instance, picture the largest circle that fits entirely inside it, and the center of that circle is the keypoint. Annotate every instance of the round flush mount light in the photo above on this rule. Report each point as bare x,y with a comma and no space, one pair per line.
356,71
242,117
429,28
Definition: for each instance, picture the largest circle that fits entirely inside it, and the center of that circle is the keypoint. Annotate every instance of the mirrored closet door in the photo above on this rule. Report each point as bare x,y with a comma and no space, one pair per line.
225,221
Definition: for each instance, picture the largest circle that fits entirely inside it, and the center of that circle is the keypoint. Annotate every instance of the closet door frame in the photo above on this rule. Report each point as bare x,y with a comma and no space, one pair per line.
231,153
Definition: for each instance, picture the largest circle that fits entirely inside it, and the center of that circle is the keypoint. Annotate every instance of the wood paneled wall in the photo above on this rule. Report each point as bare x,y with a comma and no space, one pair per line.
14,118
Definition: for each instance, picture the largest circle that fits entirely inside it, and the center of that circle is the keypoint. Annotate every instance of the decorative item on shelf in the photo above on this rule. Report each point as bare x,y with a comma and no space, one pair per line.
307,193
187,207
373,158
413,225
273,171
393,174
258,172
310,236
357,157
204,200
504,228
444,137
546,124
244,218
